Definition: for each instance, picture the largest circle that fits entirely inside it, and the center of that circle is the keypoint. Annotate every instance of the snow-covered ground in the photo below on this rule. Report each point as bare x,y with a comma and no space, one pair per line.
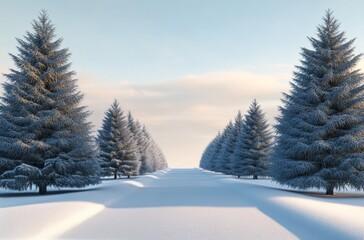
181,204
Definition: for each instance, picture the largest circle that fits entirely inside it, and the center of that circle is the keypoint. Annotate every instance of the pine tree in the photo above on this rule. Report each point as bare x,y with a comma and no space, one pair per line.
153,158
147,152
218,153
44,136
204,158
251,155
117,146
224,164
135,130
320,128
208,154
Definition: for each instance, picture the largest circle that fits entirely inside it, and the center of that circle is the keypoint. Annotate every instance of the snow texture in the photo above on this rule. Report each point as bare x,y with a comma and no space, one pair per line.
181,204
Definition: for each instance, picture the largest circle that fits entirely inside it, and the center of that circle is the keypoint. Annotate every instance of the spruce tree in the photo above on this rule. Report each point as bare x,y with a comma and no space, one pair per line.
153,158
135,130
44,134
320,129
251,155
224,164
204,158
220,153
208,154
117,147
217,153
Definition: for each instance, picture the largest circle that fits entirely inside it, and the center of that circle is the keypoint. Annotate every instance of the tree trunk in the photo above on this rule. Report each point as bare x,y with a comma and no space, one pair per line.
255,177
128,176
330,190
115,175
42,188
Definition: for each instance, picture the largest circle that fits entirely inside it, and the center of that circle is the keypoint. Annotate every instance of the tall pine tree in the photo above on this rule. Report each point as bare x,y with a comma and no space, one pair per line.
320,129
44,134
251,155
117,146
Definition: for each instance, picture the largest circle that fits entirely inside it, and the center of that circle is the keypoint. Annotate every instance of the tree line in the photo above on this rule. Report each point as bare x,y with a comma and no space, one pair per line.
243,147
319,135
45,138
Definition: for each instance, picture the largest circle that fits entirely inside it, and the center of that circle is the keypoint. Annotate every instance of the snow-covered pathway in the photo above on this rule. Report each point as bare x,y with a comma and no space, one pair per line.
181,204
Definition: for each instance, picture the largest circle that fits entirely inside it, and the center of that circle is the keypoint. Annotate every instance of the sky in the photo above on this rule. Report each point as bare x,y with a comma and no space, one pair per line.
183,68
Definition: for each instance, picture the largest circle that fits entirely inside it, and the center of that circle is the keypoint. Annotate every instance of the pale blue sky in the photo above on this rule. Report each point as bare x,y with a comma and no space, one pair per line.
164,39
184,68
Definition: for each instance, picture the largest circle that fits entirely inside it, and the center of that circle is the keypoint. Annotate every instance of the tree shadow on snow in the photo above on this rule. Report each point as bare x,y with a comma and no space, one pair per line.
191,188
49,193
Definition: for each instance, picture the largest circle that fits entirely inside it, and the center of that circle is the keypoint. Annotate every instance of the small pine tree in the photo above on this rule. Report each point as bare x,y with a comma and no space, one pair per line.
320,128
252,150
207,156
44,136
224,164
135,130
217,154
153,158
117,147
220,154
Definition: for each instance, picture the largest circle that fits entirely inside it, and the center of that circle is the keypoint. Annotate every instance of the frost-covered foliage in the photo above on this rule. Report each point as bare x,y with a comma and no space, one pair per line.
126,147
227,152
320,128
208,154
220,151
213,158
153,158
149,153
44,134
117,146
243,147
216,154
251,153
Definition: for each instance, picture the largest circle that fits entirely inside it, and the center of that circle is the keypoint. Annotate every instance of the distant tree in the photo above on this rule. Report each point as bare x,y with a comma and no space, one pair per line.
153,158
207,155
224,164
251,155
218,151
44,134
117,147
136,132
146,160
320,129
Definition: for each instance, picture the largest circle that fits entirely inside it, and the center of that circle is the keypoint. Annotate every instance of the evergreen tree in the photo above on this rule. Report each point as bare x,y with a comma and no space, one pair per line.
224,164
117,146
147,152
135,130
320,128
153,158
44,136
251,155
218,153
208,154
204,158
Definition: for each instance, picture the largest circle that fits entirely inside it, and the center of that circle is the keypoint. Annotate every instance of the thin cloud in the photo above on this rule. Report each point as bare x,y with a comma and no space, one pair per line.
184,114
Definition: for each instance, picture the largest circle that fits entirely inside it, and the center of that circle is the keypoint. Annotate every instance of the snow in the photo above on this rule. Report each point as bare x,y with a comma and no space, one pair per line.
181,204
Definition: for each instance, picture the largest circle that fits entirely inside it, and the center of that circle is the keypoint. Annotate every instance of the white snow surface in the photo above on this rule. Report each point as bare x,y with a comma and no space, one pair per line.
181,204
